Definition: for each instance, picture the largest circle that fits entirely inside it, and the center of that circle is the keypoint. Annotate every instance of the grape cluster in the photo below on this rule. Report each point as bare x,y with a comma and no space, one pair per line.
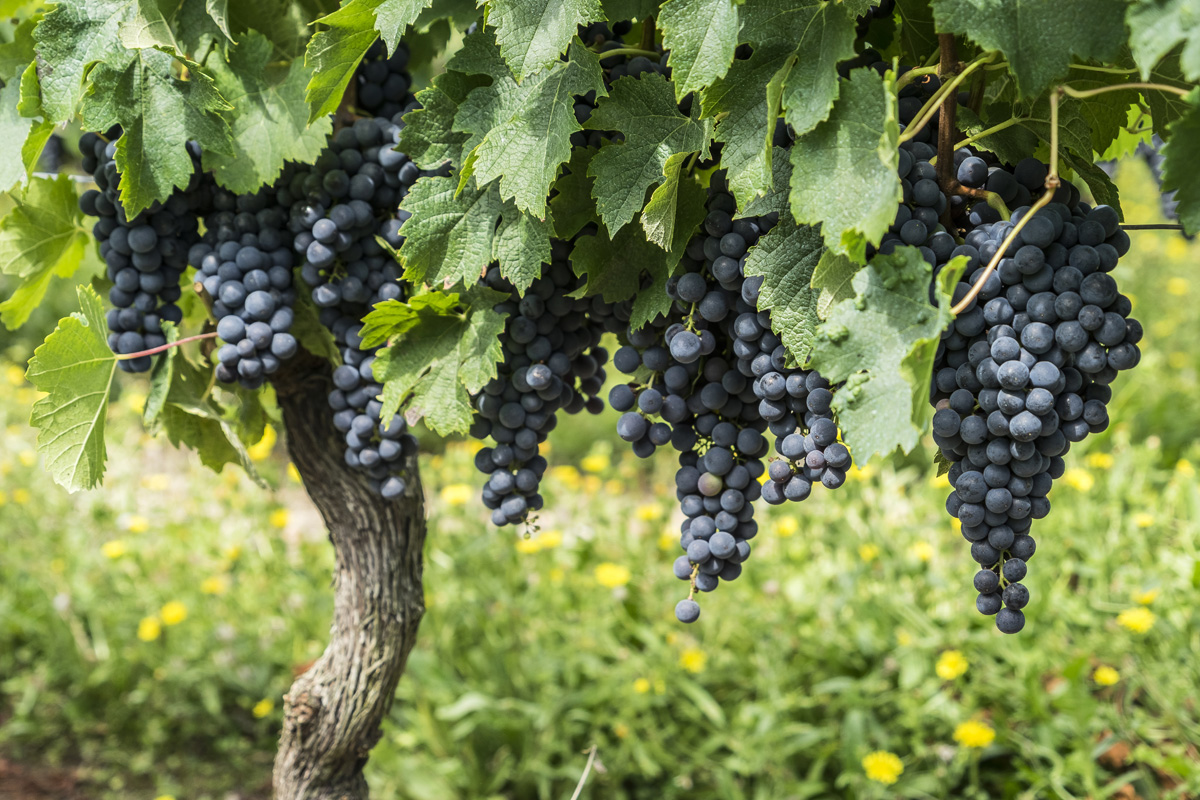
245,265
382,83
552,361
710,377
144,256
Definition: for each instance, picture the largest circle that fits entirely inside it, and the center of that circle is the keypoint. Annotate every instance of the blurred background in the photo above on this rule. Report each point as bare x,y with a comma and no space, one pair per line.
148,630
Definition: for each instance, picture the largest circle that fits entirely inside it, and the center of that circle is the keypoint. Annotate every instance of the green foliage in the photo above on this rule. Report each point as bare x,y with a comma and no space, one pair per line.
1157,26
532,34
701,35
786,258
1181,159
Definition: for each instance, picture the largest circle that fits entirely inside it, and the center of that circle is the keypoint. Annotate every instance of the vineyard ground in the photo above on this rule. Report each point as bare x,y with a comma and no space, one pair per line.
147,633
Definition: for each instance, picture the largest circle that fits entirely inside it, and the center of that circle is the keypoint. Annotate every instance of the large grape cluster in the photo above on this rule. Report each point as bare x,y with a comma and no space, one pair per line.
144,256
552,361
245,265
710,378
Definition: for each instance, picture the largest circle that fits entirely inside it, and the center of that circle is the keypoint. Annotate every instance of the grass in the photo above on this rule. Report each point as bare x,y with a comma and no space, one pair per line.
851,631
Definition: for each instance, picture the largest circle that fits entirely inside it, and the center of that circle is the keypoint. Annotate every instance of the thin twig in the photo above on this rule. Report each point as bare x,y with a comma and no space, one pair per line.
1162,87
70,176
931,105
1154,226
163,348
586,771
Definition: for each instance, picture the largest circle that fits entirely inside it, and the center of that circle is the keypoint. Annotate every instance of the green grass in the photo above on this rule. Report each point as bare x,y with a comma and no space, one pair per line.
531,652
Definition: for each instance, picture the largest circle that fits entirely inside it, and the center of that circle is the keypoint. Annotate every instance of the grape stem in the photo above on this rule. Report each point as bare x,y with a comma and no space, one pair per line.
947,89
695,572
1008,123
165,347
1153,226
914,73
1081,93
633,52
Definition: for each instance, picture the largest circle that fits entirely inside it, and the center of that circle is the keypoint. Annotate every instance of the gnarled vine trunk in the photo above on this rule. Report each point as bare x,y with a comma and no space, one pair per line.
333,712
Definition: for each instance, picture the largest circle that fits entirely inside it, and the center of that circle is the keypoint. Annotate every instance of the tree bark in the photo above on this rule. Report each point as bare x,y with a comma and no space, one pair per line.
333,712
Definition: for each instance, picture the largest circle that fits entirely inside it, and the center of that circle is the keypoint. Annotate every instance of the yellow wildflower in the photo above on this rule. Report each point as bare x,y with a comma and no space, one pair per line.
261,450
865,472
614,488
1079,479
557,575
114,548
1177,248
1178,360
788,526
551,539
135,401
612,575
136,523
903,638
974,733
951,664
1145,598
149,629
882,767
596,462
3,498
173,613
158,482
566,475
1139,619
621,730
233,552
263,707
1100,460
15,375
293,473
940,481
165,797
1106,675
1143,520
1178,286
457,494
27,458
693,659
668,539
641,685
217,584
922,551
528,546
1185,468
868,552
648,512
21,496
279,518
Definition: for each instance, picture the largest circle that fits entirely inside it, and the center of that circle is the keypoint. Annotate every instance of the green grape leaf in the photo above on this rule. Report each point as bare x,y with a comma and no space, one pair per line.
392,17
428,135
527,135
335,52
675,209
629,9
844,172
1106,114
158,114
160,381
393,318
147,28
1166,107
572,206
1102,187
41,237
218,10
775,201
701,36
17,54
440,359
1181,164
881,343
522,246
1157,26
746,115
533,33
918,36
785,257
69,40
14,130
270,123
627,265
75,368
1038,38
644,110
833,278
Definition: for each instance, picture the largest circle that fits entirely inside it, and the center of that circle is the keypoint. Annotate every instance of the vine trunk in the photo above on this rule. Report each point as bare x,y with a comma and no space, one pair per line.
333,711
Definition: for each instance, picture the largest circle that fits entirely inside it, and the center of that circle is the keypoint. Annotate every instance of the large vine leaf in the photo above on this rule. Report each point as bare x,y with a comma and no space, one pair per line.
624,266
1038,38
75,368
147,28
428,135
1181,164
158,114
572,205
14,131
844,172
701,36
644,110
785,257
533,33
675,209
71,38
882,343
443,348
393,16
524,129
1157,26
40,238
918,36
270,125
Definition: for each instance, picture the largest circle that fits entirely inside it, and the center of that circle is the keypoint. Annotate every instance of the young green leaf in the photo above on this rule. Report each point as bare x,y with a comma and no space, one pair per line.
675,209
533,33
881,343
1181,164
270,123
393,16
40,238
834,278
701,36
1157,26
428,135
334,54
918,35
644,110
1038,39
147,28
825,36
785,257
158,114
70,39
75,368
14,130
844,172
